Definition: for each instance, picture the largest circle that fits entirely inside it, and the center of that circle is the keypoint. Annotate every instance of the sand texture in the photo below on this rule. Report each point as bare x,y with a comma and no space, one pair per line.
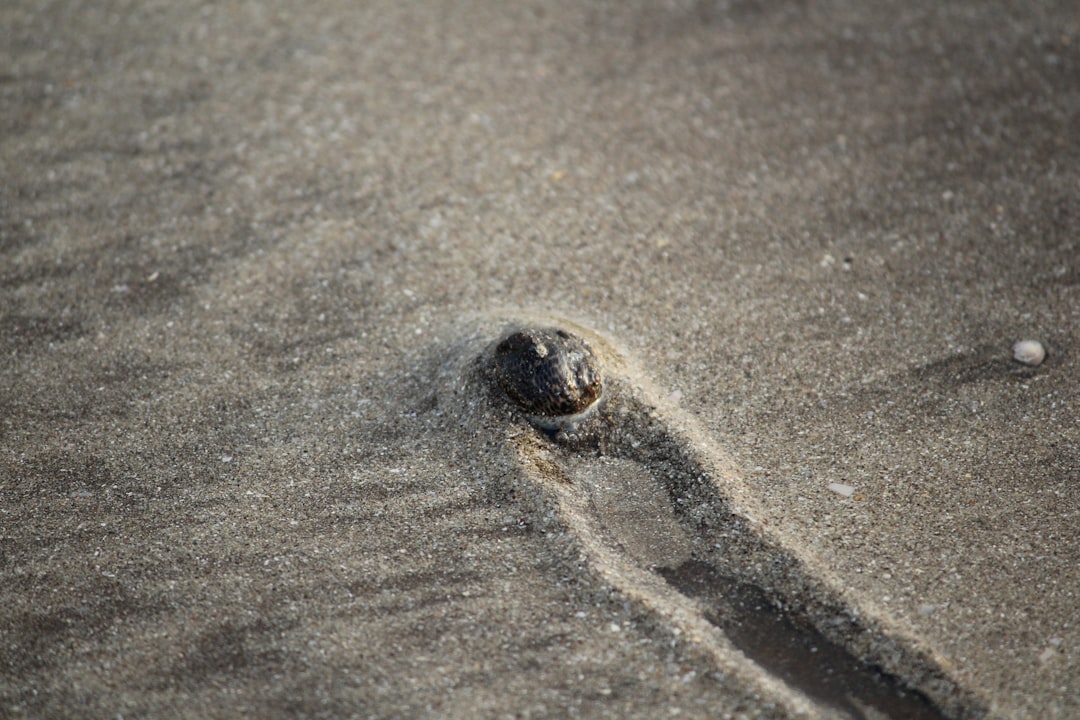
253,260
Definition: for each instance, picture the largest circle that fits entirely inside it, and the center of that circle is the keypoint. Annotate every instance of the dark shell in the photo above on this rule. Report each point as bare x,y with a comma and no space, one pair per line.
548,372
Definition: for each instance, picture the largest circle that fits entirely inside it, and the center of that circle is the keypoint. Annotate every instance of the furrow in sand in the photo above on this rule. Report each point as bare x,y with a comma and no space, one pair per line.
662,516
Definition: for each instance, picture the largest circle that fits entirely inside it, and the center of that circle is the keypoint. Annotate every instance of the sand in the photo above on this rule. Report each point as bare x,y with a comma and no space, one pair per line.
242,246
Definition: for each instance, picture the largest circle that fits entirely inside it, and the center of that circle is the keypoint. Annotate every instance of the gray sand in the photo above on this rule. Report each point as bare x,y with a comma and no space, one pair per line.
239,240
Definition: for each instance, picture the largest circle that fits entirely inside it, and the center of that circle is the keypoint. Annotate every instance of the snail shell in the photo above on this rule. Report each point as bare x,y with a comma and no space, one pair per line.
548,372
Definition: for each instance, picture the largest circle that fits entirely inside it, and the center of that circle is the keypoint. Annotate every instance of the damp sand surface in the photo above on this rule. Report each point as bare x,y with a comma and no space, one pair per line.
237,243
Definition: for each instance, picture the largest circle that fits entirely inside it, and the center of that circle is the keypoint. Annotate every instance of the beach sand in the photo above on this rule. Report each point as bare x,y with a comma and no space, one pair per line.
244,469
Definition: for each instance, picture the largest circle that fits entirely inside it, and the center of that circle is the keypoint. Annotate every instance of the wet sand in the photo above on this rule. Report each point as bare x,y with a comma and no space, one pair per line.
240,242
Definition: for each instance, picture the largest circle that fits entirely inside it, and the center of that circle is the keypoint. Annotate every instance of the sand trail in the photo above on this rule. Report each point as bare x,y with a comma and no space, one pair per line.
663,517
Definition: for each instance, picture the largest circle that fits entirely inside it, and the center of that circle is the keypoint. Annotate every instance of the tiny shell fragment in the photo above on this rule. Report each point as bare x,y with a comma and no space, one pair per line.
841,489
1029,352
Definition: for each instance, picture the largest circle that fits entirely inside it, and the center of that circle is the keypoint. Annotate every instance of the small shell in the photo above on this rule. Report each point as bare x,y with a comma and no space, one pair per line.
1029,352
548,372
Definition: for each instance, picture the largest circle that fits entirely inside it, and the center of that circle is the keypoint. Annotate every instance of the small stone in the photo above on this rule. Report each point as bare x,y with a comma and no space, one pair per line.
548,372
841,489
1029,352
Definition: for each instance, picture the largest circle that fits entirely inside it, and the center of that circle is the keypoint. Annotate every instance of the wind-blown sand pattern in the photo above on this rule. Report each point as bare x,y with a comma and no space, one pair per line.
246,469
662,515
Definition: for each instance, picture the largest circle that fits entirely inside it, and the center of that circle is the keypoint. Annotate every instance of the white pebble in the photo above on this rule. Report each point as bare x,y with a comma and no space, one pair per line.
1029,352
841,489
